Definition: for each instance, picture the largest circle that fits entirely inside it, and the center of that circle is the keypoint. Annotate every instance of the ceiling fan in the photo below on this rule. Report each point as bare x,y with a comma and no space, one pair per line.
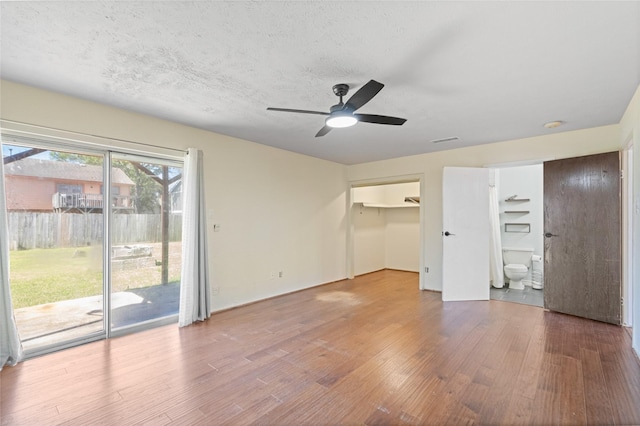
343,114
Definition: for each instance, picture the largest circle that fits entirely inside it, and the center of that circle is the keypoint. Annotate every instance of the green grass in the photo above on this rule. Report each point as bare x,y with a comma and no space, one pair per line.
42,276
49,275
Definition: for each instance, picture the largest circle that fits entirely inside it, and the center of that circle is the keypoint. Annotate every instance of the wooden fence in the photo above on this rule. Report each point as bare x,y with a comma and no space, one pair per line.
48,230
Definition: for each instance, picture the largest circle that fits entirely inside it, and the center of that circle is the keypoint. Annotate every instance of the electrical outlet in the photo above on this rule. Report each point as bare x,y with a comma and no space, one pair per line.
280,274
272,275
426,269
216,227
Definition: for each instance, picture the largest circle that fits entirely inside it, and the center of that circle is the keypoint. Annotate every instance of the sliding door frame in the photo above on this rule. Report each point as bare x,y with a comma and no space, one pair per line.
148,158
22,134
54,145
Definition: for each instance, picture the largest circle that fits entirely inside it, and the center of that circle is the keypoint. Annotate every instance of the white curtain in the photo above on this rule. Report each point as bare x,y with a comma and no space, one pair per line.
195,302
495,243
10,346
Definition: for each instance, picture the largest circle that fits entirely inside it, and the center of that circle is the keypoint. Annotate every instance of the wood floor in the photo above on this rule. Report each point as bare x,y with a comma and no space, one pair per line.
374,350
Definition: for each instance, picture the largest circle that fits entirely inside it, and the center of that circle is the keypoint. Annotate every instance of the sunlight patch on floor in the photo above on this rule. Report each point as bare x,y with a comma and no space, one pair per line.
340,297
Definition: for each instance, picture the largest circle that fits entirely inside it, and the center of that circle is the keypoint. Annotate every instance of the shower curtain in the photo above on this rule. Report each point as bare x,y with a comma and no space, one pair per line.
495,245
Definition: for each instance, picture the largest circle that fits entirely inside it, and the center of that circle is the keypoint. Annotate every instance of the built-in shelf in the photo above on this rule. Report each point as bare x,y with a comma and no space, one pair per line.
517,211
517,227
389,206
514,200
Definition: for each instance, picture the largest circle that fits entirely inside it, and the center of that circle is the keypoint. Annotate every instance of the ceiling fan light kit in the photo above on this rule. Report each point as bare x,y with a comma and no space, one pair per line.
343,114
340,119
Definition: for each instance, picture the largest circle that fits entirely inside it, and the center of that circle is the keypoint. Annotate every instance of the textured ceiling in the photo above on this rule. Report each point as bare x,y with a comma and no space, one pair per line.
481,71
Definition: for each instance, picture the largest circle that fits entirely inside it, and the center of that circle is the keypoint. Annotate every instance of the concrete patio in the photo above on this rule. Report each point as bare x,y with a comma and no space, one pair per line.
57,322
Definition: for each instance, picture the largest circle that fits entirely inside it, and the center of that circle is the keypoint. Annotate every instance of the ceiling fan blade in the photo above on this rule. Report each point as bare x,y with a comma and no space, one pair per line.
300,111
323,131
380,119
364,95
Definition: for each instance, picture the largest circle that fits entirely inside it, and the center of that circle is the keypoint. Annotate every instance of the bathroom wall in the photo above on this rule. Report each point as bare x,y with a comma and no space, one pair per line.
524,182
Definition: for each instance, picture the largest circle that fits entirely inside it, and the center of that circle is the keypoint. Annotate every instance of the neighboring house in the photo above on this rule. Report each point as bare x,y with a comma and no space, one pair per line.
40,185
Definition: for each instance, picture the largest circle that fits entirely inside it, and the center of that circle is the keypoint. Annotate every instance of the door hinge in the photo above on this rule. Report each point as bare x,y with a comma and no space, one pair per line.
621,174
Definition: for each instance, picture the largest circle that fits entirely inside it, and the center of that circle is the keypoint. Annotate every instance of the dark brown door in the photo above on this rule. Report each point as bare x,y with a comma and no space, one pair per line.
582,236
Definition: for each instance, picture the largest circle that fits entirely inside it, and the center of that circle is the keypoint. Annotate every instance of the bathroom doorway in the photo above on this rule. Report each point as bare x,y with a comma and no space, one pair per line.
521,207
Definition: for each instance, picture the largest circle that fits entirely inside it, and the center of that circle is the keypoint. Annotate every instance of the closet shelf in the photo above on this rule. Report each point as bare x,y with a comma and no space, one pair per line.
388,206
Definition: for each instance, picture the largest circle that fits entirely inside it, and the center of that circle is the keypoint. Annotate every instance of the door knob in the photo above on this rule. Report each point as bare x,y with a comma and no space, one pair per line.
447,233
549,235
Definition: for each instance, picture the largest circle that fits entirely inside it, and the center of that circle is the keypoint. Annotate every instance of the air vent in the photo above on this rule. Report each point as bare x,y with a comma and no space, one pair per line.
452,138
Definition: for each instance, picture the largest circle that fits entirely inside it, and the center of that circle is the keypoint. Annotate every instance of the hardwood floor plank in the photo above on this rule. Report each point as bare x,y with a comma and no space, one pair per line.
527,382
598,407
373,350
620,383
572,392
548,392
519,411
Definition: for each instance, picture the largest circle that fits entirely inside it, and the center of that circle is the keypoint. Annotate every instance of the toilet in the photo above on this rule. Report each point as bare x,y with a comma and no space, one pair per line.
516,265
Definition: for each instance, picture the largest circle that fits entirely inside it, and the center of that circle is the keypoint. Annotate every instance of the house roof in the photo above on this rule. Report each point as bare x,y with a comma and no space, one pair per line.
41,168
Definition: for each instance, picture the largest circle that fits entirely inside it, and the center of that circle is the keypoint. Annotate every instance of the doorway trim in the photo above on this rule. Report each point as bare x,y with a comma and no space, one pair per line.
626,290
389,180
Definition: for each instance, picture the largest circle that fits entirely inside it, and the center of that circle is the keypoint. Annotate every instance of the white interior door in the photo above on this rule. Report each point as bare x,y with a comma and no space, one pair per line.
465,234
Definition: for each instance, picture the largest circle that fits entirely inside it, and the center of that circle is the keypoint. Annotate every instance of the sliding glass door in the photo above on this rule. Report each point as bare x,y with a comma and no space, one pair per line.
84,224
56,217
146,233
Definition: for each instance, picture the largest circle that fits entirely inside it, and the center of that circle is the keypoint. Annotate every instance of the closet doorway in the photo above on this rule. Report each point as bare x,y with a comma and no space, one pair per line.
386,227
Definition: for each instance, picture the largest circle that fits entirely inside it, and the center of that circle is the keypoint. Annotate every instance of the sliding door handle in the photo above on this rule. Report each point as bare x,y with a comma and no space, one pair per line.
549,235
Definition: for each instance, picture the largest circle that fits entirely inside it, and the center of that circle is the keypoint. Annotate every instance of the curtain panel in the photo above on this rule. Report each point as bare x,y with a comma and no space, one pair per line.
10,345
195,304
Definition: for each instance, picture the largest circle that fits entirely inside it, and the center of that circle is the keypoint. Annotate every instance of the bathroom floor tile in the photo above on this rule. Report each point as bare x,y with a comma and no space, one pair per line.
528,296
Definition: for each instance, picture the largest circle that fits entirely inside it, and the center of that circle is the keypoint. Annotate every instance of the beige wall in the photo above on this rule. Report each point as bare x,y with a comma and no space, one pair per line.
277,211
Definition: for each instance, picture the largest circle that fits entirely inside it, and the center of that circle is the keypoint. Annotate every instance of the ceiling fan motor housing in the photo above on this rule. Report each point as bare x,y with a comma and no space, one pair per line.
341,90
